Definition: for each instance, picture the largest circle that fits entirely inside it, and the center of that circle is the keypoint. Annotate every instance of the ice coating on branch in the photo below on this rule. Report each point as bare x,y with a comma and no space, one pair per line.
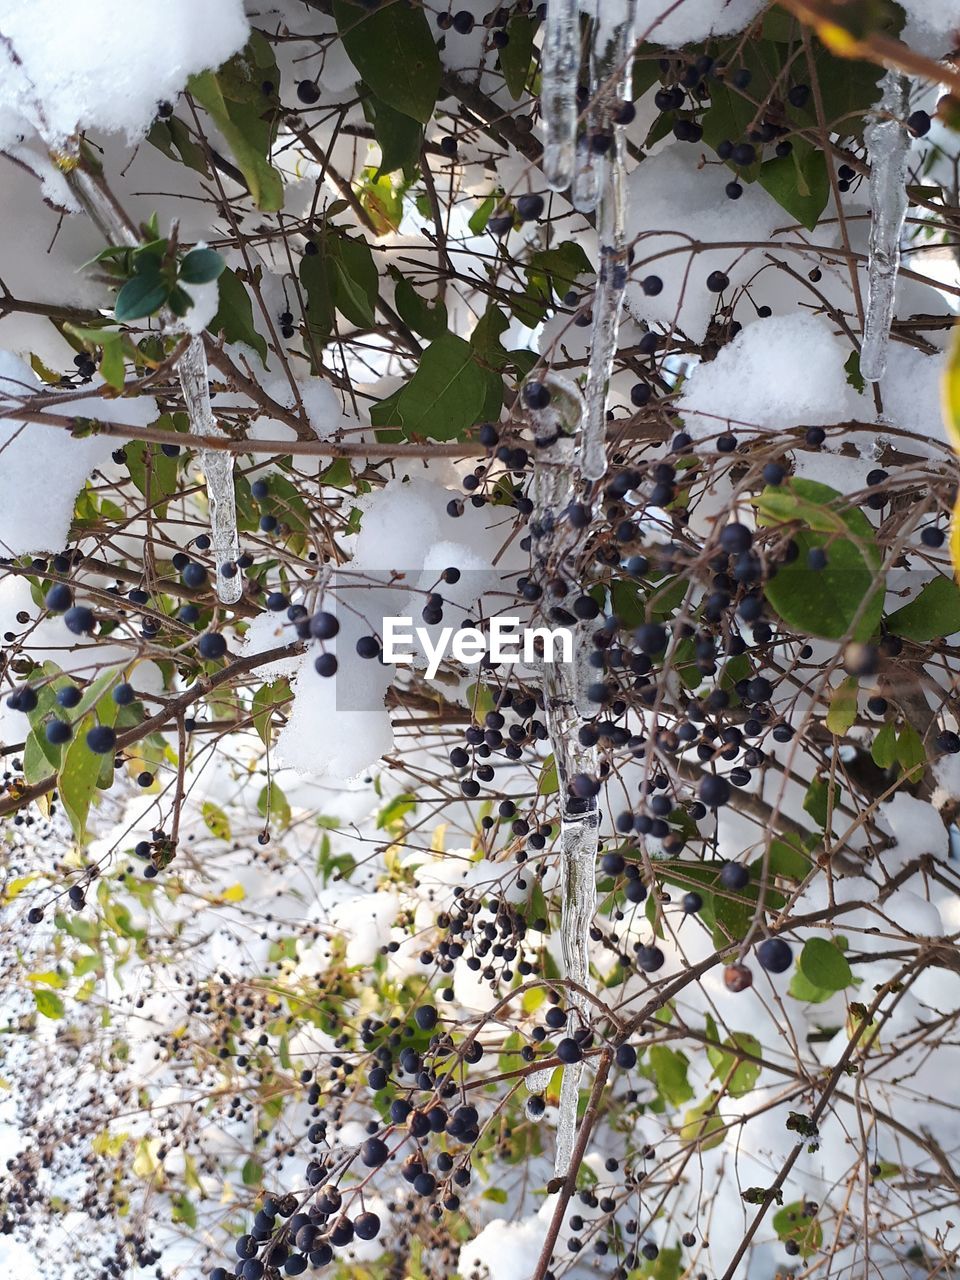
217,467
888,146
553,488
105,64
559,66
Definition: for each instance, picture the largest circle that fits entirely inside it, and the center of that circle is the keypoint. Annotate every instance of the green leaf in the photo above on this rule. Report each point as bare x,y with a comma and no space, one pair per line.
274,805
184,1210
786,859
549,783
793,1222
816,802
445,396
251,1173
481,215
931,615
561,265
141,296
394,52
429,321
234,318
356,281
798,182
217,822
852,369
669,1068
825,602
172,136
703,1125
911,754
265,700
48,1003
398,136
740,1076
201,266
392,813
824,965
234,100
884,749
81,770
516,55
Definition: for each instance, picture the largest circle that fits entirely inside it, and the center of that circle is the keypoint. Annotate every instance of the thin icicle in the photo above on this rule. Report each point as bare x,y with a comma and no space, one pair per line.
559,67
217,467
888,146
564,684
607,307
611,74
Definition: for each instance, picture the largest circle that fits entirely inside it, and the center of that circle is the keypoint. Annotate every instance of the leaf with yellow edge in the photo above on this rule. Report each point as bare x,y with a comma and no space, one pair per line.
236,893
955,539
950,392
843,706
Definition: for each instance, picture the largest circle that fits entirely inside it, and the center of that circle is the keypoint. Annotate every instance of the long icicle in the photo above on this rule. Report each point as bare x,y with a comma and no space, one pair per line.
611,74
554,487
559,68
888,146
217,464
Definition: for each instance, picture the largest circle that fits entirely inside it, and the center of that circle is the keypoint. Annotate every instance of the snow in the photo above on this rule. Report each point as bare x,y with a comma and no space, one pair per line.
690,20
910,390
42,469
105,64
931,26
776,373
662,243
322,739
270,631
918,829
507,1250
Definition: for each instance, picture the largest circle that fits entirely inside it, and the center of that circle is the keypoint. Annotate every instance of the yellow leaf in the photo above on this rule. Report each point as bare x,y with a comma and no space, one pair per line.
950,392
145,1163
843,706
838,40
236,893
955,539
49,977
17,886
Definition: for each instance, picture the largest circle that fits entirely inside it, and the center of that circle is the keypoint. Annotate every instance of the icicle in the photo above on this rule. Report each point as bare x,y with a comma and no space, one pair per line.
583,192
607,306
888,145
611,74
217,467
564,684
559,66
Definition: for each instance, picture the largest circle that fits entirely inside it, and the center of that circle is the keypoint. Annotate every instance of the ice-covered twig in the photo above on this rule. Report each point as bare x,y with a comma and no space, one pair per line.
217,467
217,464
559,66
888,145
611,71
554,487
